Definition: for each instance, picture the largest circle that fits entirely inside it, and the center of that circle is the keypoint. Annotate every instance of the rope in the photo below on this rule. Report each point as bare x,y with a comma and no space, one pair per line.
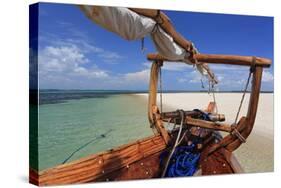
161,91
212,90
142,45
239,136
203,115
86,144
245,89
185,162
158,18
175,145
234,130
202,84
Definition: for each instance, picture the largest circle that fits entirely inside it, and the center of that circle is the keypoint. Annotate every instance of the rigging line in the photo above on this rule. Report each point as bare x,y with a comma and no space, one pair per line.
202,84
187,131
86,144
243,96
143,49
161,91
214,98
175,145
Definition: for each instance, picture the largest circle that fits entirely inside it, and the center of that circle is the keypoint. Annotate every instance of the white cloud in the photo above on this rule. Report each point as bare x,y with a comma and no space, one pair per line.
84,45
66,64
61,58
227,68
110,57
194,77
172,66
105,55
182,80
137,77
267,77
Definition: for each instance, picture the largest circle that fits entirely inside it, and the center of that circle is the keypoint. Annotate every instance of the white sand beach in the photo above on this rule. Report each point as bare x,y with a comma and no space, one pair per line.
257,154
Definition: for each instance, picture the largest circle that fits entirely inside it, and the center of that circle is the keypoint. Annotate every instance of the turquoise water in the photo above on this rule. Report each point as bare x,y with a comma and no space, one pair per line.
89,125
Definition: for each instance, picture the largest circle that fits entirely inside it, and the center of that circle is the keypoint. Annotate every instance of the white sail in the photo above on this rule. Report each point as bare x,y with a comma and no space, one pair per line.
132,26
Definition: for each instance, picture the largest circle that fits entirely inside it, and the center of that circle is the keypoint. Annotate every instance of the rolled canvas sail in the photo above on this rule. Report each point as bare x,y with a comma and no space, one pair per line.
132,26
125,23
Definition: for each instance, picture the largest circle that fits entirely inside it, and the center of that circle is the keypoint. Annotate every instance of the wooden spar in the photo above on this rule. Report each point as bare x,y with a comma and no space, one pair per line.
165,23
153,113
204,124
220,59
158,123
207,124
153,84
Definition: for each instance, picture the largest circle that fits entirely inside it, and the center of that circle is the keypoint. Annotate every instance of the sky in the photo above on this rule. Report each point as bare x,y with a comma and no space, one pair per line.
75,53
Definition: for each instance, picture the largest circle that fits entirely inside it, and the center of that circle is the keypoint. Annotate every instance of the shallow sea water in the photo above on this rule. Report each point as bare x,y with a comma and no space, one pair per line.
75,128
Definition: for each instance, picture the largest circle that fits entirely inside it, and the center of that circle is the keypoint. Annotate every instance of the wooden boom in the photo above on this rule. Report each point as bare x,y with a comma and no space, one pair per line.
220,59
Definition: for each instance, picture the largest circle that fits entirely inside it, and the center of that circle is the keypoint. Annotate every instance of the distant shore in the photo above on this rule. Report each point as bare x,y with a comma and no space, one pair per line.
257,154
135,91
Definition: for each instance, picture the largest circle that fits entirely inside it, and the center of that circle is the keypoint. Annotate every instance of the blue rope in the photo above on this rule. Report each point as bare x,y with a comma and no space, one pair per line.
204,115
185,159
184,162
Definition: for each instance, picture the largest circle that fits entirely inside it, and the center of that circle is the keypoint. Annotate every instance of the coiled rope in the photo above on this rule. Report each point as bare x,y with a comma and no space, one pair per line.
184,162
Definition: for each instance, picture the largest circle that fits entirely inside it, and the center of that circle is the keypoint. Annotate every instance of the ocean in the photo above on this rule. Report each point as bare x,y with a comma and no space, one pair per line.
75,124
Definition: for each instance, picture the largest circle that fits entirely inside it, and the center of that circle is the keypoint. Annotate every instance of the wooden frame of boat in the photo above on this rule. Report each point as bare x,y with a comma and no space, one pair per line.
140,159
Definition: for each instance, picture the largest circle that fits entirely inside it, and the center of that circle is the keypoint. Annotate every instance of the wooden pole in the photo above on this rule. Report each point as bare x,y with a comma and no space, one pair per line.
189,121
153,88
208,125
153,113
220,59
165,23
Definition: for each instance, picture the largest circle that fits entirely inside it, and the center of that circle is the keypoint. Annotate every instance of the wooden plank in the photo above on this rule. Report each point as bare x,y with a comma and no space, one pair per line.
211,107
143,169
208,125
153,113
159,125
96,166
216,163
153,89
220,59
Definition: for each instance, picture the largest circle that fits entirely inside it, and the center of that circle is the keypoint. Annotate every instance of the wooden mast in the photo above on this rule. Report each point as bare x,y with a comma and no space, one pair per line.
153,112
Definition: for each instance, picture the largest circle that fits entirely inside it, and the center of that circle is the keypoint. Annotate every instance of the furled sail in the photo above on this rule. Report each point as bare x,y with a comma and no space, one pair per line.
133,25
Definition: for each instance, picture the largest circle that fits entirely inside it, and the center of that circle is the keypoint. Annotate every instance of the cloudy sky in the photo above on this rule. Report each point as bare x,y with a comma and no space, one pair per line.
74,53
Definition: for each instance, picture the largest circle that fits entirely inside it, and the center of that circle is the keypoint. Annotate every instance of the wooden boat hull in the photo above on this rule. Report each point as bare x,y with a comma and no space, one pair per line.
137,160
